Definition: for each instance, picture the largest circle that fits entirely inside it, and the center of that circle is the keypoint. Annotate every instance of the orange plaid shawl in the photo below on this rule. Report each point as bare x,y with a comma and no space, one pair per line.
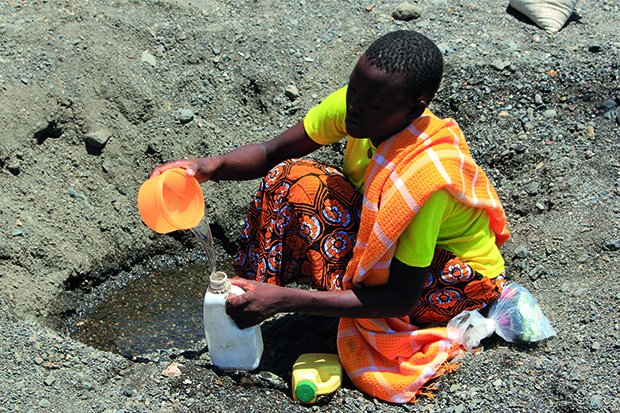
390,358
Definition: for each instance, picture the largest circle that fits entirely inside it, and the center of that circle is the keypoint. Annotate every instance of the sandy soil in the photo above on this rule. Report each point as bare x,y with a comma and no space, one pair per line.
94,94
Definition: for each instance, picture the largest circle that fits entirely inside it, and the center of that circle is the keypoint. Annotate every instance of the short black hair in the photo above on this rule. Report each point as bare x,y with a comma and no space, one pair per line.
413,55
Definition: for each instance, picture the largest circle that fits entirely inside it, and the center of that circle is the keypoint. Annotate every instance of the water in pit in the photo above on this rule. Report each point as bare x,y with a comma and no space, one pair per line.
159,310
156,310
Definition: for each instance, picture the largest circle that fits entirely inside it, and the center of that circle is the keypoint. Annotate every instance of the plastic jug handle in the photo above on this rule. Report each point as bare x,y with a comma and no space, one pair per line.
330,385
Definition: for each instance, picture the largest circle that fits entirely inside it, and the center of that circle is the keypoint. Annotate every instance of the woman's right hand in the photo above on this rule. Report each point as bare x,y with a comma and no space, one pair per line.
200,168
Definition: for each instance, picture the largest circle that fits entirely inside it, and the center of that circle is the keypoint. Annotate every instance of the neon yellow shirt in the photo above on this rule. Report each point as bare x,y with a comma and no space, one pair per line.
443,221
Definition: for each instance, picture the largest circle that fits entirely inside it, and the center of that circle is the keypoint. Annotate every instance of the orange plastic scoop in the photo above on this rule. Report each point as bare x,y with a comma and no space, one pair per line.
171,201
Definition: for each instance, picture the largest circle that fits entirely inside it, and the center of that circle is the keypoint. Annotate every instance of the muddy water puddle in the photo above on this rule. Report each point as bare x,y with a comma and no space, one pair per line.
158,310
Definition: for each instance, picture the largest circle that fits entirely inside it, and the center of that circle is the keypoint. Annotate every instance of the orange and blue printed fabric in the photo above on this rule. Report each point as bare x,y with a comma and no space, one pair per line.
390,358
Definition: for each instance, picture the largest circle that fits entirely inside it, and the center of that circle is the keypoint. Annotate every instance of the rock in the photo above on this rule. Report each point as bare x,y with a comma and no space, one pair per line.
272,379
580,292
500,64
246,382
538,100
186,115
172,370
13,167
594,48
406,12
148,58
550,113
537,272
445,48
595,401
49,380
596,346
521,252
590,133
98,139
78,196
613,246
532,188
498,383
17,232
291,92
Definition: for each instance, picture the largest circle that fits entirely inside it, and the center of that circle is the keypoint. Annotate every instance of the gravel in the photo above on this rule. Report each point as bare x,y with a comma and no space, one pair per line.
95,94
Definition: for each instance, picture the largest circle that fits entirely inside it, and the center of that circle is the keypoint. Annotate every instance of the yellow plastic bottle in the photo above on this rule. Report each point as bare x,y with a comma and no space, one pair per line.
315,374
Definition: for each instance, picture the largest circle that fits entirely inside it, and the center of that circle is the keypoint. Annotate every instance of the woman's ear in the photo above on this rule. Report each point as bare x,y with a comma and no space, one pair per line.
417,109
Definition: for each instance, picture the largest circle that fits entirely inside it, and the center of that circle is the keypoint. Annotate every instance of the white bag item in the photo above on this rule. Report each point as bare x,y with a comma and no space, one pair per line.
515,316
550,15
469,328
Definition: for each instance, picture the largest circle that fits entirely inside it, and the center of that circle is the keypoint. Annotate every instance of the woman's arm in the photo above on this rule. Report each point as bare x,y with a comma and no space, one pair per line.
248,161
395,299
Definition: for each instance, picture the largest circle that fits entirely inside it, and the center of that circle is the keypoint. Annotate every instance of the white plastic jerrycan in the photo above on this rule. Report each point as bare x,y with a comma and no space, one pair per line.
230,347
315,374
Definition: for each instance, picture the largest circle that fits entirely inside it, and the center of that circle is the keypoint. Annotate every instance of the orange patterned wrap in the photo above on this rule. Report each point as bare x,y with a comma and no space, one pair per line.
390,358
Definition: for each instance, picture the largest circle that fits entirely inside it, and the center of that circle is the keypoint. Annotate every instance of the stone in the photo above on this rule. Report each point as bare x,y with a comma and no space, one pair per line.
172,370
613,246
532,188
406,12
148,58
537,272
98,139
14,167
291,92
595,401
521,252
186,115
49,380
500,64
538,100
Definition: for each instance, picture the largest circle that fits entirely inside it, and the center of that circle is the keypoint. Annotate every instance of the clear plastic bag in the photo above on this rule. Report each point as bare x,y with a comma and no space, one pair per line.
515,316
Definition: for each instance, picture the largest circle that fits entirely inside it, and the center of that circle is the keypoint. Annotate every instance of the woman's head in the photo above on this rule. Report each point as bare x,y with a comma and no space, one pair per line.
412,55
391,85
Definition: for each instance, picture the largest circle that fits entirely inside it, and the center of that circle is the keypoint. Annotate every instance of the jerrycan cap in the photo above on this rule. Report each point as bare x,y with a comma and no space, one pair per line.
305,391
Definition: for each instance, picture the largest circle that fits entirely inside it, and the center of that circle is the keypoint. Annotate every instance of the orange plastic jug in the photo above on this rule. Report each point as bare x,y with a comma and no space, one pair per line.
315,374
171,201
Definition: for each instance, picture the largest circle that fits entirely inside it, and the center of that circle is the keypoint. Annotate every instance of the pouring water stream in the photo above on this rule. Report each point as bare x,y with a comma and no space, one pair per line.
203,233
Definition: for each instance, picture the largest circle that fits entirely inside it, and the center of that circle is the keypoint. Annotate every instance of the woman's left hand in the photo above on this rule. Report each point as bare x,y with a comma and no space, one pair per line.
260,301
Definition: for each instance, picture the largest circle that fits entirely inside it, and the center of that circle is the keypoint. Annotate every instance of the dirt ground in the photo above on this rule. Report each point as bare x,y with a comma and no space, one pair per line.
94,94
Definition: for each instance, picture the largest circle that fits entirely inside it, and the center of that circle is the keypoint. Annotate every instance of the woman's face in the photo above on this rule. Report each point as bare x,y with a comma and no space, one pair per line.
377,104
